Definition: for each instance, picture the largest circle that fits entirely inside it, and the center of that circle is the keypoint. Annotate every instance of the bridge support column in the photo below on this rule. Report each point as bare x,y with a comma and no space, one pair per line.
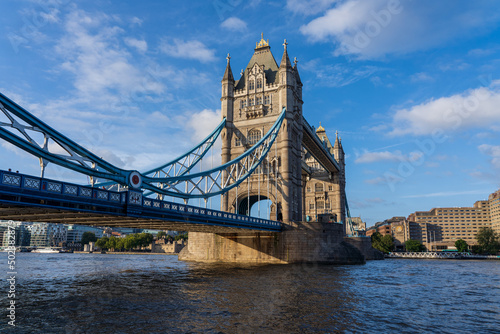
304,242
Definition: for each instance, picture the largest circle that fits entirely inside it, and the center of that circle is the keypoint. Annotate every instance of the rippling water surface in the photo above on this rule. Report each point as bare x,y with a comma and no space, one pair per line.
100,293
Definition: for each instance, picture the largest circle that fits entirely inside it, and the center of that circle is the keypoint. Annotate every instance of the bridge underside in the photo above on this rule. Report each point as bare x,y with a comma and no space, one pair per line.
53,215
30,199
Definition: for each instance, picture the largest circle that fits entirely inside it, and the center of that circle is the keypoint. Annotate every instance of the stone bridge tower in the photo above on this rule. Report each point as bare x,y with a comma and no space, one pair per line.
251,106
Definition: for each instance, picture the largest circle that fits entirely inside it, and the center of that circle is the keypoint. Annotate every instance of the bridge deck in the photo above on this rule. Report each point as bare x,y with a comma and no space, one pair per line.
28,198
316,148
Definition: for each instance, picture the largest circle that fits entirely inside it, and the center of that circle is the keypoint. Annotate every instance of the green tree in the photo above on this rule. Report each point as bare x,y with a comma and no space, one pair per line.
161,235
88,237
144,239
414,246
488,240
130,242
120,243
183,236
102,243
384,243
462,245
112,243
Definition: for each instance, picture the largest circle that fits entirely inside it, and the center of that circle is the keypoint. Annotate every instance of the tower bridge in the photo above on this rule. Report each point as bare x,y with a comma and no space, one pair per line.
269,152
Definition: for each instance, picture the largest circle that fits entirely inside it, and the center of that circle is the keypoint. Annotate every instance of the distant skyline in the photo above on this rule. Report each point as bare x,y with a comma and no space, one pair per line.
412,87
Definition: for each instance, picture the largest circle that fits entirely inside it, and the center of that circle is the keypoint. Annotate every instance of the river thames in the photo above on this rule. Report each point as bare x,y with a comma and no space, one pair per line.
100,293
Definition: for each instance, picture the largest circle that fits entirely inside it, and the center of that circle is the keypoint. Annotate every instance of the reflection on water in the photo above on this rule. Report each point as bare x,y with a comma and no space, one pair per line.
99,293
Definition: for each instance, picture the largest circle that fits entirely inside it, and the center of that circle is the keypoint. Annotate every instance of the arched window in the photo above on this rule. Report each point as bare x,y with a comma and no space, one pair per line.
318,187
253,137
259,83
251,85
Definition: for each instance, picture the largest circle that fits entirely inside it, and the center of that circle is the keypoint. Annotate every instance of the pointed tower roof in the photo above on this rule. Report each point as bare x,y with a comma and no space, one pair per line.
338,142
285,61
297,76
262,56
320,129
228,74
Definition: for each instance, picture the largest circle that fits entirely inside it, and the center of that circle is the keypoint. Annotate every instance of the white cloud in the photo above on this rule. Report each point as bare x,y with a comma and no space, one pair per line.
308,7
449,193
202,123
372,29
234,23
470,109
370,157
140,44
136,21
493,152
419,77
338,75
91,51
187,49
389,178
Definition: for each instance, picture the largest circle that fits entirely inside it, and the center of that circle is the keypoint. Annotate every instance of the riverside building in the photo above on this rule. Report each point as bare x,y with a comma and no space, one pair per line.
439,228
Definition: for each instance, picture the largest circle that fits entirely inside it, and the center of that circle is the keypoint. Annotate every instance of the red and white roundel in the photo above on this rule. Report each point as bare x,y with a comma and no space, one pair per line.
135,179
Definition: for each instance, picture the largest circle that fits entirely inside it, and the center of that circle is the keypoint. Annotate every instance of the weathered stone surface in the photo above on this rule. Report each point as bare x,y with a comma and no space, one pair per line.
304,242
364,244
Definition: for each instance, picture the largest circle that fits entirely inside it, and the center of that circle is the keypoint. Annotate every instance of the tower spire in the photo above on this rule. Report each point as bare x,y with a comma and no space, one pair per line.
228,74
285,61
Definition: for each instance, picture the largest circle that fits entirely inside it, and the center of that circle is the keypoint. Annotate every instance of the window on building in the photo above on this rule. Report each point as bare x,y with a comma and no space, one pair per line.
267,99
318,187
330,188
321,205
251,85
250,100
259,83
253,136
308,189
311,206
327,205
259,100
237,141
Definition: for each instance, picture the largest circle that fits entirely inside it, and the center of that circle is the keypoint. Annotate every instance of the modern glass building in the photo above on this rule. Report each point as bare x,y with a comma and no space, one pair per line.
75,232
47,235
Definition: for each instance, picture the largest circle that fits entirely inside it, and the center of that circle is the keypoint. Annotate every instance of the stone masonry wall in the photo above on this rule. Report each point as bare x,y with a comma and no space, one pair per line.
305,242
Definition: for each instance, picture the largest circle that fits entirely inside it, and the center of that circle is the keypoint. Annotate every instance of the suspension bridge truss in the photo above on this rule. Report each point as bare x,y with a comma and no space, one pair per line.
176,178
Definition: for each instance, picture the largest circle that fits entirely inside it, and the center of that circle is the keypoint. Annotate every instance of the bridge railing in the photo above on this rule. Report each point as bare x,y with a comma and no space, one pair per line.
35,191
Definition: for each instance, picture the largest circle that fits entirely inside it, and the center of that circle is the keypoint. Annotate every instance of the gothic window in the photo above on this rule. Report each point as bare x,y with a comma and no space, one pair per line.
259,83
253,137
320,205
242,104
330,188
251,85
250,100
267,99
237,141
318,187
259,100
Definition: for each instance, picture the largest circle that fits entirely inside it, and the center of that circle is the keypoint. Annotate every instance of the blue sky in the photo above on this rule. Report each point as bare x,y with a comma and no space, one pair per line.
413,87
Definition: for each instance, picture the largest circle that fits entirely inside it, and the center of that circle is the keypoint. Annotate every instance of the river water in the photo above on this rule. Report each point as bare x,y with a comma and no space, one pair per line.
100,293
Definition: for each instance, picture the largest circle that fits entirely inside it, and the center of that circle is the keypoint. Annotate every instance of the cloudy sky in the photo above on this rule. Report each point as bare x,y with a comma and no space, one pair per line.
412,87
